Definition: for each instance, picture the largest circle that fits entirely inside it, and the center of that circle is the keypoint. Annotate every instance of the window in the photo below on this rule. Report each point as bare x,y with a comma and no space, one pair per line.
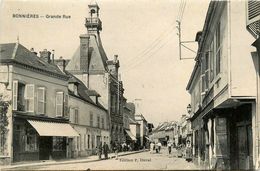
72,115
91,119
76,116
29,96
41,100
98,121
88,141
102,123
59,104
18,96
58,143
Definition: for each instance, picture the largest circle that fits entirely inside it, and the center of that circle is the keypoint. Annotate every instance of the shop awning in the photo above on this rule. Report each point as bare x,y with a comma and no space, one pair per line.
130,135
46,128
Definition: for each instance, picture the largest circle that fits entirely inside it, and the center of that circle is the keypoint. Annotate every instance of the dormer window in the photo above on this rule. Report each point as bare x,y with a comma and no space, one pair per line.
73,88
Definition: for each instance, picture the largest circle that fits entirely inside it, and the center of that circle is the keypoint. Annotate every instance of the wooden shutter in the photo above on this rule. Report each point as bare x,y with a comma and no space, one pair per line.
66,108
29,96
15,93
41,98
59,104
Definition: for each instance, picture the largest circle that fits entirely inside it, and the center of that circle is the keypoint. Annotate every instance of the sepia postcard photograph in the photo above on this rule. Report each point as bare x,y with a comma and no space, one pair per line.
129,85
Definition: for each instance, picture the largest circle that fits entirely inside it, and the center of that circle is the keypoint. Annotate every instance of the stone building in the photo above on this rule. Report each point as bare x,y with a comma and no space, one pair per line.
38,127
91,65
88,117
223,90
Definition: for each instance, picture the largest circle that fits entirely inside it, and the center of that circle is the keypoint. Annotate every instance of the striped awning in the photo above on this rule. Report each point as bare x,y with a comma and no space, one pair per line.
46,128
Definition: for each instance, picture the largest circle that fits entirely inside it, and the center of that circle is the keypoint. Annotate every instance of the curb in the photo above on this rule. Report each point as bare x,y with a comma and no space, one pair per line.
68,162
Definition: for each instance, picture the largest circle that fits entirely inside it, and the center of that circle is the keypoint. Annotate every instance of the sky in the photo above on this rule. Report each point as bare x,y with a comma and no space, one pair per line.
141,32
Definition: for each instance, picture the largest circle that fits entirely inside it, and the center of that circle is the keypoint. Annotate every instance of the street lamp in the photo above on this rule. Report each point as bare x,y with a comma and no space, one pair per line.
189,109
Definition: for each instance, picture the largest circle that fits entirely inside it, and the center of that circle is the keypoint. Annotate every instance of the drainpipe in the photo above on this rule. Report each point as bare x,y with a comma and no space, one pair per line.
257,45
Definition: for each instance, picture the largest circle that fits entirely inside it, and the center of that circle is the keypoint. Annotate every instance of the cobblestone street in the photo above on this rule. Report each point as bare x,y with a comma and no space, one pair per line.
144,160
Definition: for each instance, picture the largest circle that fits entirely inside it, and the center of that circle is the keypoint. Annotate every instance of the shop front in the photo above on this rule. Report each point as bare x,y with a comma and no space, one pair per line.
41,139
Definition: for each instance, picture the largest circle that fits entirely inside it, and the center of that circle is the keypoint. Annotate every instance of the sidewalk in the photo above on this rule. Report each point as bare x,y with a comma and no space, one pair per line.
93,158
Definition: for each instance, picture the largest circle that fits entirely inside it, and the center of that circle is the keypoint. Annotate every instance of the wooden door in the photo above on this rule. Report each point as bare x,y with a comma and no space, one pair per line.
242,147
245,145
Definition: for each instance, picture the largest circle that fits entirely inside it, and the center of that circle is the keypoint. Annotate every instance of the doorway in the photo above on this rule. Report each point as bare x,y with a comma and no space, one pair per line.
45,148
245,144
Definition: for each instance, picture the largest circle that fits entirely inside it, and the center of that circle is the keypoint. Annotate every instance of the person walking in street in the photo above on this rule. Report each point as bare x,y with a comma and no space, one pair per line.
151,147
105,149
159,146
116,149
169,145
99,151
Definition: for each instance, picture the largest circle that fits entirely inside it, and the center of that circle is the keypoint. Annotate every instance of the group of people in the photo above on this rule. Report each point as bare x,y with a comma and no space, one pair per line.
102,149
155,146
116,147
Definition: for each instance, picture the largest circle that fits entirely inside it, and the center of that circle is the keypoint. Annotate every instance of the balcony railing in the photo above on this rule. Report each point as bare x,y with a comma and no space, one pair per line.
94,22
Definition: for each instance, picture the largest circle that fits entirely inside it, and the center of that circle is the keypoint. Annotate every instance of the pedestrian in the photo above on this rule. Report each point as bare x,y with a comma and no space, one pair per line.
159,146
99,151
105,150
116,149
169,145
151,147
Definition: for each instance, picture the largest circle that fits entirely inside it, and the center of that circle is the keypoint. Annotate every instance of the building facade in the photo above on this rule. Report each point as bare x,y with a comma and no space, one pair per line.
223,90
91,65
88,117
38,127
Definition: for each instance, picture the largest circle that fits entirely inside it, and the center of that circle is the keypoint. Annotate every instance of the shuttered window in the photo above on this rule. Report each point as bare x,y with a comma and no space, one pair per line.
29,96
98,121
91,119
76,115
66,107
59,104
102,123
41,99
15,92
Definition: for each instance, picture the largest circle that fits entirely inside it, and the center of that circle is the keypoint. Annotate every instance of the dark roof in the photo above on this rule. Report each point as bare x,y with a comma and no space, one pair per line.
82,91
92,93
17,53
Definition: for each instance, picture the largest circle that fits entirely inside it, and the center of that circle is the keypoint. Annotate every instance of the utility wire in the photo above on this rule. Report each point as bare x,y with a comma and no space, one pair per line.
139,58
145,59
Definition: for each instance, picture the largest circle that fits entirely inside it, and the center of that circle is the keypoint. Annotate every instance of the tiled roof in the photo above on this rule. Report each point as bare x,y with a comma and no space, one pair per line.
17,53
92,93
82,91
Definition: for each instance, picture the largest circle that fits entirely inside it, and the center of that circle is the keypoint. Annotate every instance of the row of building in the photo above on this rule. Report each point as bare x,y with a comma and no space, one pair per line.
175,132
224,87
56,108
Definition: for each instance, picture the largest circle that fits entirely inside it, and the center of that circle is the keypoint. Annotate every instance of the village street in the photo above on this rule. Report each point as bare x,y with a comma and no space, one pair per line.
139,161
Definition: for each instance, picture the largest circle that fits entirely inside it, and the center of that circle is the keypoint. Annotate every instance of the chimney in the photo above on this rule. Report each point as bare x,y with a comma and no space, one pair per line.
32,50
61,63
45,55
84,46
52,55
198,37
115,58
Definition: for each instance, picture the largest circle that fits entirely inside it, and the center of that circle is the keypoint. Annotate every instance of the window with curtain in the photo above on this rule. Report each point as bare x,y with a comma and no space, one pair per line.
29,96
